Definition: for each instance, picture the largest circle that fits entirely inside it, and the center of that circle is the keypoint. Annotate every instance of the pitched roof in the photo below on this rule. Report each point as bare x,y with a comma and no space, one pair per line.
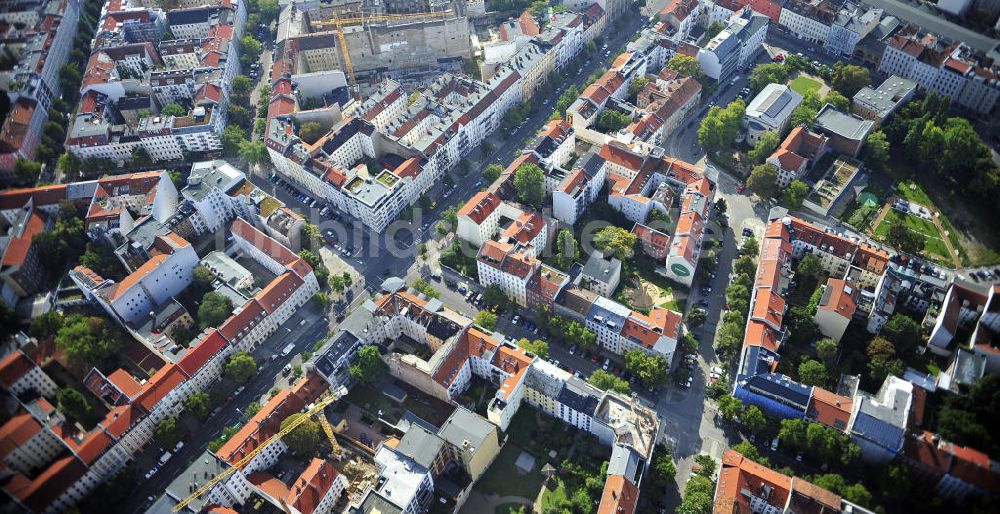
14,366
39,493
830,408
261,426
839,297
203,350
480,206
270,247
473,342
17,431
619,496
160,385
312,485
278,291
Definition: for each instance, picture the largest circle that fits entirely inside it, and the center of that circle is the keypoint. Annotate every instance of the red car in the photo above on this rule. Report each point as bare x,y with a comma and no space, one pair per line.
778,57
594,359
740,187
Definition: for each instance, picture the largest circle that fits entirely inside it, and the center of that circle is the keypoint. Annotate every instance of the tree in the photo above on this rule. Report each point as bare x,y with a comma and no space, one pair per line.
793,433
492,172
795,194
370,367
420,285
763,181
304,438
606,381
809,265
611,121
168,433
857,493
495,296
567,250
753,419
177,110
249,50
764,74
635,87
720,127
537,347
198,404
214,309
706,464
827,349
730,338
26,170
663,468
73,404
838,100
803,115
687,65
242,86
729,407
100,257
876,152
651,369
239,115
812,372
616,242
695,318
721,205
87,340
697,496
69,164
310,132
529,182
240,367
903,332
486,319
255,152
848,79
232,138
764,147
904,239
748,450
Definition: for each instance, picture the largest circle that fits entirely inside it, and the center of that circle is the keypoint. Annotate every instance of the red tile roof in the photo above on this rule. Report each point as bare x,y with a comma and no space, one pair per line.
480,206
14,366
160,385
829,408
619,496
261,426
244,319
739,473
841,300
473,342
17,431
43,195
203,350
39,493
125,382
969,465
621,156
270,247
19,246
278,291
121,419
312,485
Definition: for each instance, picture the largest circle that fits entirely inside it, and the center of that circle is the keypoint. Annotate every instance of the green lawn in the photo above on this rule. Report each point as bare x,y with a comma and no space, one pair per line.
803,85
505,480
510,508
912,191
934,245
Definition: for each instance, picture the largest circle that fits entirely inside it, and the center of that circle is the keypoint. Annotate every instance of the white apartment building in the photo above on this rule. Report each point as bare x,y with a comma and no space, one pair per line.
734,47
809,19
948,70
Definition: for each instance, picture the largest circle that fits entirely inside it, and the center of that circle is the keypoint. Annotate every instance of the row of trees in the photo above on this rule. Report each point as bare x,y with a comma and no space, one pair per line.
819,441
730,338
923,135
763,181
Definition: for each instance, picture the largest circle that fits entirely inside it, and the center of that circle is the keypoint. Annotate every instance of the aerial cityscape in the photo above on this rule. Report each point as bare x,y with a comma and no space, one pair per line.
500,256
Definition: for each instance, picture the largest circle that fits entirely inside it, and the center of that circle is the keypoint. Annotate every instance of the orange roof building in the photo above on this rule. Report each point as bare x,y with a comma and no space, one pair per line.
620,496
836,307
743,482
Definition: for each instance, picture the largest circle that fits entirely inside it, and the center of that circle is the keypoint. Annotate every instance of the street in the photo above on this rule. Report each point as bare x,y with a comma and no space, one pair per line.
257,390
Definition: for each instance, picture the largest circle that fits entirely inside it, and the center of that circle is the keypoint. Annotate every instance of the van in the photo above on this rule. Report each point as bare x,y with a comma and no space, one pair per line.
287,350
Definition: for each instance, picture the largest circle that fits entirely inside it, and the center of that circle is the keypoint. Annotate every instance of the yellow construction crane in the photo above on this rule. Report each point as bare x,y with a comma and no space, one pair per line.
316,410
338,23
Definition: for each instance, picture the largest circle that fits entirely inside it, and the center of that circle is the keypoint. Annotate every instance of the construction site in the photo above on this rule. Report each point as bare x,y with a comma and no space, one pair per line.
369,41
